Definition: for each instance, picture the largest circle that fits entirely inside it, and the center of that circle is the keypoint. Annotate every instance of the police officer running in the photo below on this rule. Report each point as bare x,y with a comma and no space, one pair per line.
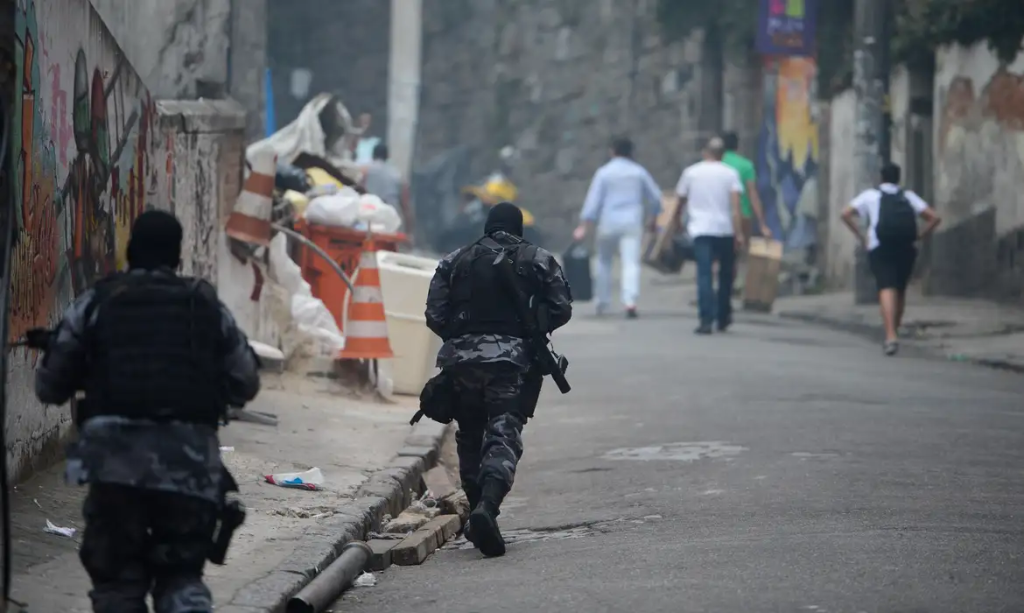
159,359
494,378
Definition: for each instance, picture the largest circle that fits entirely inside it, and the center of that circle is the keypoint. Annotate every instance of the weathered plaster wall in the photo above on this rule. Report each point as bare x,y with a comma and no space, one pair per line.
189,49
87,160
179,47
559,78
979,171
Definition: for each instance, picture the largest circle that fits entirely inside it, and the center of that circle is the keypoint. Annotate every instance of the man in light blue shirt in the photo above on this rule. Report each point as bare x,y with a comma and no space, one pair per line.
622,199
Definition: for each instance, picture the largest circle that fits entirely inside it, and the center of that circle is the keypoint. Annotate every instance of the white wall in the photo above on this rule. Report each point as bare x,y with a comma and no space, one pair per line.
841,242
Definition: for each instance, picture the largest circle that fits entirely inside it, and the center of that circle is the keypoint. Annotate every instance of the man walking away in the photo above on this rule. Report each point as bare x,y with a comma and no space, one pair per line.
160,360
485,351
750,202
383,180
891,213
621,198
710,192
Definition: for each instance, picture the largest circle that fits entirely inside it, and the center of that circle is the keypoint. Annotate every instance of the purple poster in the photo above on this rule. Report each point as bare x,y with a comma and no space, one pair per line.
786,27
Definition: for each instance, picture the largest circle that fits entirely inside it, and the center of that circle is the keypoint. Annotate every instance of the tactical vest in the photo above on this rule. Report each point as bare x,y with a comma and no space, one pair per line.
156,349
479,301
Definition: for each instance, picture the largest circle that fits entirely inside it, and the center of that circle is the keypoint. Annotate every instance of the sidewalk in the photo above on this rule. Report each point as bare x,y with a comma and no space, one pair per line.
975,331
288,533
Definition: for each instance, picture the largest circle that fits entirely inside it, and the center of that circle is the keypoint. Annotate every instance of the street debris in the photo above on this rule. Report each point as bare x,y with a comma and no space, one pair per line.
53,529
311,479
226,449
365,580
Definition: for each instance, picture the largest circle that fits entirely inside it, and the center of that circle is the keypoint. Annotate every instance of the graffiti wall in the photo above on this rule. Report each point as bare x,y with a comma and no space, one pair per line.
85,164
787,151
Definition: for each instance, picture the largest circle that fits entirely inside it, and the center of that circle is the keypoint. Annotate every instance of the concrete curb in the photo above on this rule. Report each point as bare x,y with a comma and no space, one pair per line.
906,346
386,492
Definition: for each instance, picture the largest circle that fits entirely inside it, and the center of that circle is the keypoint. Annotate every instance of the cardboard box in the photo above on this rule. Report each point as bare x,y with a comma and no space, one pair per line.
764,262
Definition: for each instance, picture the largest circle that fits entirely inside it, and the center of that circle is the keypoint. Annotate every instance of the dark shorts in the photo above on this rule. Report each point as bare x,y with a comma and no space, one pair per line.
892,266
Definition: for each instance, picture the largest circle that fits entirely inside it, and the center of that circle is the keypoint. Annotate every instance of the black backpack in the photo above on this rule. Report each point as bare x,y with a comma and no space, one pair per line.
897,220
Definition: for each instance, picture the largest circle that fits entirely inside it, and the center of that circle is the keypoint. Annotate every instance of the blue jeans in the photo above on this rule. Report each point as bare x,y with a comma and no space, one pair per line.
707,249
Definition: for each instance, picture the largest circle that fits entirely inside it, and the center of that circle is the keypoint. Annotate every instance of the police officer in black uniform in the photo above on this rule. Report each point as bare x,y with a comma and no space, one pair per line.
159,359
494,377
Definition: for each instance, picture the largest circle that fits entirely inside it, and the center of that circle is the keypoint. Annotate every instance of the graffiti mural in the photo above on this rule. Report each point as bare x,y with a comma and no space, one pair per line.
787,152
82,148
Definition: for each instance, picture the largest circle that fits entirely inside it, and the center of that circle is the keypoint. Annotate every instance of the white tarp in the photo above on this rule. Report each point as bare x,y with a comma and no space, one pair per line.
306,134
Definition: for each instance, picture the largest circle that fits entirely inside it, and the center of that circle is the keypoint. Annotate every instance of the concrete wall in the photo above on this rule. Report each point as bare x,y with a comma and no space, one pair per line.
559,78
979,166
87,160
839,254
189,49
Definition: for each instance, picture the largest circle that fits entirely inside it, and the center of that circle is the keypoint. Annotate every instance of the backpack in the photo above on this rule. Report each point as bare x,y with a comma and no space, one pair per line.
897,220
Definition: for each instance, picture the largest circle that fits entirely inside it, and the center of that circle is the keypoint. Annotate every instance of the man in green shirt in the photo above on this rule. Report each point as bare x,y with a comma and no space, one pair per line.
749,200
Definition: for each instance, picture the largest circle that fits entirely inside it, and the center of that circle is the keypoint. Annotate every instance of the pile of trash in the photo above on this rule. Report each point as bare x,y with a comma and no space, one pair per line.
317,176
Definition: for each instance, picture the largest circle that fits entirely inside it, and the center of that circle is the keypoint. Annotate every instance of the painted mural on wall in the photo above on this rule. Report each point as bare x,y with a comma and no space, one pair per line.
787,152
82,146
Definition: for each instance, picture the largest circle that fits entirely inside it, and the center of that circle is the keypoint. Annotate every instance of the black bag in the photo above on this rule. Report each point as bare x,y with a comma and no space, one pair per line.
437,400
897,220
577,272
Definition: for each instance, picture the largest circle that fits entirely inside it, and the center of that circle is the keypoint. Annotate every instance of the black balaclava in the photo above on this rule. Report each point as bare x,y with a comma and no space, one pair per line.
155,241
505,217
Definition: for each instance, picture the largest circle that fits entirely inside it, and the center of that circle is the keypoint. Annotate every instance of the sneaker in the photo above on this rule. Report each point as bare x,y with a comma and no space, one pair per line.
483,532
890,348
601,309
703,330
631,313
724,325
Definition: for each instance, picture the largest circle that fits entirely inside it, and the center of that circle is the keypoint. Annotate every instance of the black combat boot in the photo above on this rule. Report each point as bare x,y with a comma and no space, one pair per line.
483,521
472,492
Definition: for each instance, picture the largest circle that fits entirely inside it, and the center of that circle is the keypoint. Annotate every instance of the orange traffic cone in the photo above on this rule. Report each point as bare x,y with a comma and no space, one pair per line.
250,220
366,331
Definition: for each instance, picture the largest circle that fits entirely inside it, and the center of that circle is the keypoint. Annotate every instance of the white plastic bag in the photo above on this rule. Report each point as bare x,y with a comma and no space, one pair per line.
381,216
337,210
310,330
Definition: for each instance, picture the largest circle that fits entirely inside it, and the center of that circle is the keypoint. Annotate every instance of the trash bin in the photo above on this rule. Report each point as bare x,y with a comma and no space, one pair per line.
405,280
345,245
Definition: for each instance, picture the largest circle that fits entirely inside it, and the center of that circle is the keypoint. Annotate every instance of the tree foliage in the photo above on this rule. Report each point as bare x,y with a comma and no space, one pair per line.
919,27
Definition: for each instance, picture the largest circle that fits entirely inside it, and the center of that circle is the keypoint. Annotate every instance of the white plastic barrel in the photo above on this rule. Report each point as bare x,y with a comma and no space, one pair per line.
405,280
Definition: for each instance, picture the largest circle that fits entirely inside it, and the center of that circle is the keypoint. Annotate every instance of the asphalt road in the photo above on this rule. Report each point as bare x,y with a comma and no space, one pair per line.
779,467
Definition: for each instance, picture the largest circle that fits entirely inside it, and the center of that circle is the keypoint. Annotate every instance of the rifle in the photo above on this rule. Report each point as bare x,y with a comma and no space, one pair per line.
547,361
232,516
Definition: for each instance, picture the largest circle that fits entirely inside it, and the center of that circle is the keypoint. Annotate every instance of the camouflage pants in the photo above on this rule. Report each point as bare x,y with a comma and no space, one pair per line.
137,540
491,417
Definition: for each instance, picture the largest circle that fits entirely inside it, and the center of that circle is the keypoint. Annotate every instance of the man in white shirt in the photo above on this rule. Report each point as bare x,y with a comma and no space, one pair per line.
710,192
622,199
891,213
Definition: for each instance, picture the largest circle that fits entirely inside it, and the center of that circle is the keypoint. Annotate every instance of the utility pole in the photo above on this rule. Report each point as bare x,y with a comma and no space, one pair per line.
870,53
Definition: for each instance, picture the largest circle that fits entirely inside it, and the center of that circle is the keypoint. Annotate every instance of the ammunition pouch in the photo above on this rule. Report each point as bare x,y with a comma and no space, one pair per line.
437,400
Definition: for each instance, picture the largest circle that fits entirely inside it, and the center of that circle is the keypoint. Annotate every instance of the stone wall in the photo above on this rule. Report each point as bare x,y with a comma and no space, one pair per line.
317,46
87,158
559,78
